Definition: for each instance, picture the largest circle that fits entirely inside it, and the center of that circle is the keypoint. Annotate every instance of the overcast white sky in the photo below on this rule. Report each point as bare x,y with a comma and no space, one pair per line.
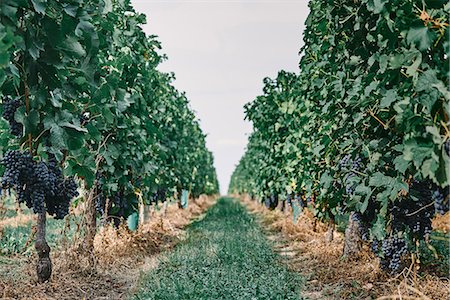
220,51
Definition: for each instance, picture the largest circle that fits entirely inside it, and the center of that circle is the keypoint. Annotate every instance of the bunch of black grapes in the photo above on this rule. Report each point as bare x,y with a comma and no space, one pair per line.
160,195
393,249
100,198
116,206
351,167
84,118
412,214
362,225
41,186
100,203
119,207
10,107
440,198
271,201
298,197
289,199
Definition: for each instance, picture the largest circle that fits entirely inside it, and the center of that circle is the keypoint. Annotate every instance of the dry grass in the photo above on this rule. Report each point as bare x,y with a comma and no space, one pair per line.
327,275
442,223
16,221
120,256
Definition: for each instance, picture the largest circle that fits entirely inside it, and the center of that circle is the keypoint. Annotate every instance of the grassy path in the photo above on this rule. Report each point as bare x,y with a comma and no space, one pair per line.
226,256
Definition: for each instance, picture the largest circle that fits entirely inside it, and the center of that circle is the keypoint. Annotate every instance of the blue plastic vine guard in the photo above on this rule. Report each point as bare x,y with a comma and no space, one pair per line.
132,221
297,210
184,198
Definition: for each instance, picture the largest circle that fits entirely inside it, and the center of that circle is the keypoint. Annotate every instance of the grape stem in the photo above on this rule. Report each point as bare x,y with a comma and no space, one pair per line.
360,173
447,132
385,126
420,209
40,135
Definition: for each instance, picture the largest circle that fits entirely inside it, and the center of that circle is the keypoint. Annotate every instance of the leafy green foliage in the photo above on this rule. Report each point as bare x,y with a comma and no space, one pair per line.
373,85
91,95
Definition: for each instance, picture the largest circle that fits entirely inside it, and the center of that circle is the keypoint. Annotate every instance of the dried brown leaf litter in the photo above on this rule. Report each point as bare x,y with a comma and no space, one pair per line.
120,256
303,247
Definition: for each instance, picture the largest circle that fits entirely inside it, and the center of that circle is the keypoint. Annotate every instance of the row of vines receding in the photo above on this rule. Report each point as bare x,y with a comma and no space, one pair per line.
363,129
86,111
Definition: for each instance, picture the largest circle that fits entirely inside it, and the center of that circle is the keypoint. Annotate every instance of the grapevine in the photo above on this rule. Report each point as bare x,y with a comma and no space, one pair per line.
88,108
362,127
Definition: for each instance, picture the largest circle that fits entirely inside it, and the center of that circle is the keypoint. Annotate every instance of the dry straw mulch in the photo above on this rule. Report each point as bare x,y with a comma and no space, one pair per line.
120,257
16,221
328,276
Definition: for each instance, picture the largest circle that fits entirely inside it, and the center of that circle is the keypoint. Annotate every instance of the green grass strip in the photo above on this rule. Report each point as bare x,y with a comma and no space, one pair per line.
226,256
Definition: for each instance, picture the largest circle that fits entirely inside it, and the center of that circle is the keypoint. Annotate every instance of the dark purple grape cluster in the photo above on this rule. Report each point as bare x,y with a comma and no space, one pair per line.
20,171
345,161
100,198
160,195
308,199
117,206
375,246
10,107
357,164
412,215
393,249
267,202
271,201
289,199
154,197
59,204
415,211
41,186
363,227
440,199
100,203
351,167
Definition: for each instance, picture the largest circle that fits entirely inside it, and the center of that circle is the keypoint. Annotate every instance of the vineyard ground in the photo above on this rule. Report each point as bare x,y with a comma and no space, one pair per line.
236,250
329,276
121,255
226,255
